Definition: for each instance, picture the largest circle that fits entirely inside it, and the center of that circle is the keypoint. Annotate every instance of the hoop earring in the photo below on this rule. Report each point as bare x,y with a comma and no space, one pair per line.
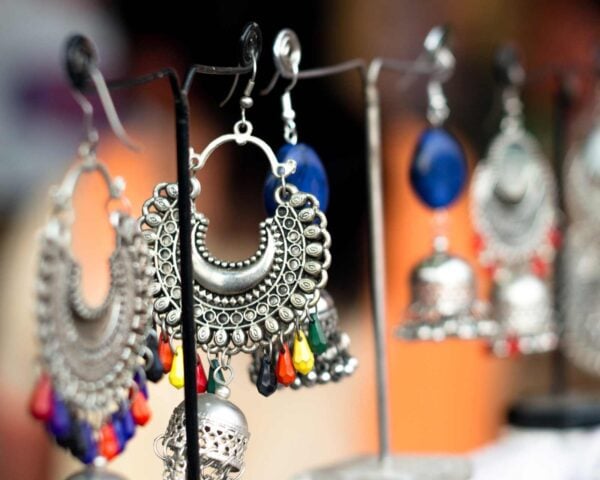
239,306
91,394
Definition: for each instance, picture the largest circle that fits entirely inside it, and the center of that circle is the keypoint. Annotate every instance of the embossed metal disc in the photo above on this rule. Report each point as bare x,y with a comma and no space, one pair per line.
91,353
581,300
238,305
582,177
513,198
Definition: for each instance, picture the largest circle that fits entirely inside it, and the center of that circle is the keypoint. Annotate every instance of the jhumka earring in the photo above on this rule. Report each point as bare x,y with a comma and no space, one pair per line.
513,209
261,302
90,394
328,343
443,288
581,258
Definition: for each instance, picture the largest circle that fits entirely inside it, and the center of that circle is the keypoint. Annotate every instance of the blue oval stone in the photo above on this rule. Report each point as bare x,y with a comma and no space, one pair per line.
60,422
310,176
438,171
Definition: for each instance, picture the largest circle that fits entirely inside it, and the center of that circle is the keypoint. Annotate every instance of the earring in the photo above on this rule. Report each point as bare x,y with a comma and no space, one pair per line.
239,306
581,257
328,343
91,394
513,210
443,290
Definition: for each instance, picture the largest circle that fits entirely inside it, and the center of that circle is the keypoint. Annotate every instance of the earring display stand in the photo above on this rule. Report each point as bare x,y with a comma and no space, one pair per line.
384,465
80,55
560,408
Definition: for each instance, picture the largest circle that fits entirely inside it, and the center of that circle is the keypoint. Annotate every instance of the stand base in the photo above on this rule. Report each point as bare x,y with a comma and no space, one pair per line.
559,412
93,473
396,467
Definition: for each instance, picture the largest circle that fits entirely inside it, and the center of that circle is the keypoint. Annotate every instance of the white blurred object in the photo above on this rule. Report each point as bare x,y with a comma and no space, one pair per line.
38,138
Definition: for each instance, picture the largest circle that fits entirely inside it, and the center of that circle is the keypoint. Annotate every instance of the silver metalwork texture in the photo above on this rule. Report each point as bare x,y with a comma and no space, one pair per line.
91,353
513,200
580,296
240,305
333,364
523,308
223,439
93,473
582,177
444,301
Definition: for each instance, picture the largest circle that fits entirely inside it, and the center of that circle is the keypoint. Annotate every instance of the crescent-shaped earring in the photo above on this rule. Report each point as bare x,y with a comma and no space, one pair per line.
238,306
328,342
91,394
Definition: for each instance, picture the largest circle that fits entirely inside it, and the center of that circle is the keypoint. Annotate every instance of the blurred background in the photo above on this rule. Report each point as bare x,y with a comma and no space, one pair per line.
445,398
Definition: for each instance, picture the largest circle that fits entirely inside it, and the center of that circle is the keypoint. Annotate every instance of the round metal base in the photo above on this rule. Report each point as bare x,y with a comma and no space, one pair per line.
396,467
570,410
94,473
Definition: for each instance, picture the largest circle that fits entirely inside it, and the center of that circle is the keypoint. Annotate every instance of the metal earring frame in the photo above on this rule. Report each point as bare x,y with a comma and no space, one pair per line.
92,353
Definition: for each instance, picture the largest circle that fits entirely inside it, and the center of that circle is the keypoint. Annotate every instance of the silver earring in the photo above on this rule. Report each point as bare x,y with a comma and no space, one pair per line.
443,286
328,343
91,394
514,213
239,306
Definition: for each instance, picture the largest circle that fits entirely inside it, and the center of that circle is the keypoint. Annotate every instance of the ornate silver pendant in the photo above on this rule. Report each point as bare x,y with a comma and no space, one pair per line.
91,353
330,366
513,200
523,308
223,439
444,301
582,178
580,294
240,305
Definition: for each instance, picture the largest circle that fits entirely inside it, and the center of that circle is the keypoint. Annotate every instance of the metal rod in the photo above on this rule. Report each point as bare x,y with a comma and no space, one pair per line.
377,255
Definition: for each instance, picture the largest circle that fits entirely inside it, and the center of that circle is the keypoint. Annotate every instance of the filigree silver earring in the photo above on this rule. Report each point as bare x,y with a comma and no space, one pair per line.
91,394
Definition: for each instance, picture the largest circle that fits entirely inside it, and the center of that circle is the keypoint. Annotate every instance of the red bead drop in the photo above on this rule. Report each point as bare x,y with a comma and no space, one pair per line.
539,267
201,379
140,409
286,374
512,344
165,353
40,404
108,446
555,237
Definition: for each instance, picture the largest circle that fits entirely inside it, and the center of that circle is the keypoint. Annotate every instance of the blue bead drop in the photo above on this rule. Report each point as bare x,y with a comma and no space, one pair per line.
438,171
310,176
117,423
91,450
60,423
139,377
128,423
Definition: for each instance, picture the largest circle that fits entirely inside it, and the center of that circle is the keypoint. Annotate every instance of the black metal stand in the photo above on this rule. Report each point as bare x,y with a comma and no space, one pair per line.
80,55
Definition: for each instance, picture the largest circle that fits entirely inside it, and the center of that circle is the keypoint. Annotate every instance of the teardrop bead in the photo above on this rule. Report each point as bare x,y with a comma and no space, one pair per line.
40,404
266,382
176,375
285,367
140,409
316,336
212,384
89,454
165,353
201,380
117,424
78,443
139,377
154,369
128,423
310,176
438,171
303,357
60,422
109,444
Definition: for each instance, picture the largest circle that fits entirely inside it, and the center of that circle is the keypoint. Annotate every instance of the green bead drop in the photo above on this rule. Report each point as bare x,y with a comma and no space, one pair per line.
316,336
212,384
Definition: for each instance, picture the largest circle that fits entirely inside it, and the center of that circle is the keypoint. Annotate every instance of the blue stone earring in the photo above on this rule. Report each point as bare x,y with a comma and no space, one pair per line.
310,175
443,286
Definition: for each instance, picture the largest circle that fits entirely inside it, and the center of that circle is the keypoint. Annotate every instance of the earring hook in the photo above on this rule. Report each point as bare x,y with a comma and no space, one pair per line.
81,58
287,53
